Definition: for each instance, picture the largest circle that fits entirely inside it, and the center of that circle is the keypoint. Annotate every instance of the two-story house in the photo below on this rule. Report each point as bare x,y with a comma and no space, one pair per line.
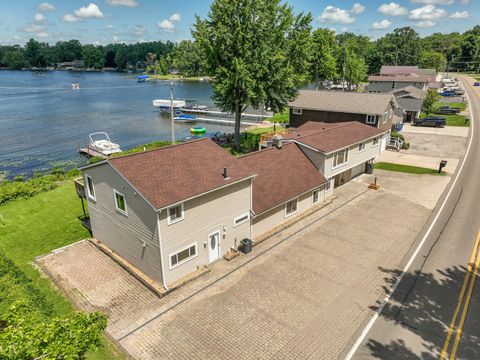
375,110
171,210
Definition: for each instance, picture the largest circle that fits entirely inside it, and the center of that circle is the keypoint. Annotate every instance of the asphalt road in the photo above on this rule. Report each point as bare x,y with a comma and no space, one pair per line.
436,307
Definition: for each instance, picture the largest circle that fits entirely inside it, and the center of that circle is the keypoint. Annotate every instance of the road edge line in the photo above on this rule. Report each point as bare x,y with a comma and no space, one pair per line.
377,313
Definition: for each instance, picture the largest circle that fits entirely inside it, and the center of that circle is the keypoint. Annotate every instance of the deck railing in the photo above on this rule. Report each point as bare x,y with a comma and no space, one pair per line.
269,136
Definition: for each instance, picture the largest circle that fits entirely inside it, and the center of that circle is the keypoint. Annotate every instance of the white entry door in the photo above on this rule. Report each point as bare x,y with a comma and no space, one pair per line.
213,246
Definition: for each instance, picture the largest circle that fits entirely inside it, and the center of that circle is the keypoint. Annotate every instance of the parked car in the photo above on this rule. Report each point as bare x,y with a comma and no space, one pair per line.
435,121
447,110
448,93
476,83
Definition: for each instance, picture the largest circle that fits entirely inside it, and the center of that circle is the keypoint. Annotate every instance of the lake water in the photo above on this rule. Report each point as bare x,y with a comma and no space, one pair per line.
43,121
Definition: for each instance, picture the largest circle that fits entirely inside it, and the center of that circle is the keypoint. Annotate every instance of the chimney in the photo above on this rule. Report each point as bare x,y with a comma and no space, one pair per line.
277,141
225,174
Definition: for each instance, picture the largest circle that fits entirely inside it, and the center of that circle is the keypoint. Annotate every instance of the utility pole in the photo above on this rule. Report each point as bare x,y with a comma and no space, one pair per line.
171,111
343,69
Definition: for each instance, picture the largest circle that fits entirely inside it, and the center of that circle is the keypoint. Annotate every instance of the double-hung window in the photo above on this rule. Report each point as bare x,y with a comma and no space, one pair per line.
183,256
90,187
315,196
371,119
291,207
297,111
340,157
175,214
120,202
375,142
385,117
361,146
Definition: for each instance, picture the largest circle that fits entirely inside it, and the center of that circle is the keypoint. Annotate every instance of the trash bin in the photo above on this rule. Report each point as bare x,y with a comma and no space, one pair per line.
246,246
369,168
399,127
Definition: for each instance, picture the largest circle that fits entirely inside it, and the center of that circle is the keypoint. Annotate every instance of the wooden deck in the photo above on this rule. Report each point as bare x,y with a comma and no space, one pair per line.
91,153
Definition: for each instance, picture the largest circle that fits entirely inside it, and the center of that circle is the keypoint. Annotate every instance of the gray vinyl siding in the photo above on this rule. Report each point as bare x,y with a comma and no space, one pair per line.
124,234
203,216
275,217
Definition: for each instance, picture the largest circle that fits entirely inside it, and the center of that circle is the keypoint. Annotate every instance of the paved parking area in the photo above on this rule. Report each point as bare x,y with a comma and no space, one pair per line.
301,294
447,130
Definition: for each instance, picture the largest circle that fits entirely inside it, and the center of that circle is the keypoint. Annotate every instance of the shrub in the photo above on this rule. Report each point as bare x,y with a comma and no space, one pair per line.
19,178
406,145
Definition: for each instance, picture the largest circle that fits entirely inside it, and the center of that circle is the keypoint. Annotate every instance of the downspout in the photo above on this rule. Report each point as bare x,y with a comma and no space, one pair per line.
161,252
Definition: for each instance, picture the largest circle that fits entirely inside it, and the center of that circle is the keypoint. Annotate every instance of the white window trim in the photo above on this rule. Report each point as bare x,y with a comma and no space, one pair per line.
367,121
364,146
342,164
297,111
292,213
124,212
243,221
93,197
170,221
318,196
328,185
385,117
183,261
373,141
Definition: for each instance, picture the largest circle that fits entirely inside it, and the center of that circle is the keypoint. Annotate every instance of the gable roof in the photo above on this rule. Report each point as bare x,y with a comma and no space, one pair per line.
342,101
399,78
398,70
172,174
409,91
405,103
327,138
282,174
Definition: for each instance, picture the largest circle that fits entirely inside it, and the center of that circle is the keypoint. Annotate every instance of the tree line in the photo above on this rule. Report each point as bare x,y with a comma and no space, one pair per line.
330,56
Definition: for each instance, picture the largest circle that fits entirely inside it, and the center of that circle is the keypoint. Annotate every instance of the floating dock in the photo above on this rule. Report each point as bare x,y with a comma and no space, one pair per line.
225,121
91,153
257,117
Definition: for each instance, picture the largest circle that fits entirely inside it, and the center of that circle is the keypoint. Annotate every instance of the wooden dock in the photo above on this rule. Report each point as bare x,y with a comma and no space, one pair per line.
257,117
226,121
91,153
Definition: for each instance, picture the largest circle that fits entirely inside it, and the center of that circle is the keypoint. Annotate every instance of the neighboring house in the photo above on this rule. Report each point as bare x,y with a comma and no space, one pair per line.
375,110
433,77
339,151
171,210
409,101
387,83
287,184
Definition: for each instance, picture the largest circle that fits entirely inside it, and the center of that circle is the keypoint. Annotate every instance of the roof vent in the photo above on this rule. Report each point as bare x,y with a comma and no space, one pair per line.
225,173
277,141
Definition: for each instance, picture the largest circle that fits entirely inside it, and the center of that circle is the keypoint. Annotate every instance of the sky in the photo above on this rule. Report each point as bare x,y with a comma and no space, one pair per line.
130,21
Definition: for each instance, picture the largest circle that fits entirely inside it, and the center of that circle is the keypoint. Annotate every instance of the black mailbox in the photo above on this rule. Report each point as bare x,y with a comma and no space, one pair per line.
443,163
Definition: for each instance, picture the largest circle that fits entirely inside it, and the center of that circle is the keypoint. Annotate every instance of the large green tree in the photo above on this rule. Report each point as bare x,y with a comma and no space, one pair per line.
93,56
433,60
400,47
256,50
430,101
354,70
323,64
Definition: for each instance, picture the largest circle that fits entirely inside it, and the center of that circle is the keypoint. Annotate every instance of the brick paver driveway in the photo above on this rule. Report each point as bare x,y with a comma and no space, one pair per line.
304,295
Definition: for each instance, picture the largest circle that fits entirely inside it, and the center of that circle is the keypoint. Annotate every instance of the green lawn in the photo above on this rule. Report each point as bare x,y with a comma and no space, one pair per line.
35,226
452,120
265,130
406,168
459,105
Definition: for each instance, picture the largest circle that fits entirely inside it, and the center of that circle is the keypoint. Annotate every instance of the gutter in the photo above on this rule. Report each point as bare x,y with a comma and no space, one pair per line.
162,266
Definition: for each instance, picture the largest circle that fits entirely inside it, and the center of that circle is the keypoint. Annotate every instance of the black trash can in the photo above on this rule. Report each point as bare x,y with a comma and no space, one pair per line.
246,246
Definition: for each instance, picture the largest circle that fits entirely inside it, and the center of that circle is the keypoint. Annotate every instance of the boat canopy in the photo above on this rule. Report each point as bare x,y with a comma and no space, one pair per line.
166,103
142,77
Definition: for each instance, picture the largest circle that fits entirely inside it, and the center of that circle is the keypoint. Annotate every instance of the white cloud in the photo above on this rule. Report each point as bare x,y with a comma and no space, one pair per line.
357,8
42,34
33,28
39,18
460,15
110,27
392,9
70,18
381,25
336,15
115,38
175,17
427,12
129,3
166,25
89,11
139,30
44,6
426,24
434,2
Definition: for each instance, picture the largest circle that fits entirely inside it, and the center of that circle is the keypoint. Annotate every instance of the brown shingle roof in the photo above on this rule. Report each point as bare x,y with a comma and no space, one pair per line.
175,173
399,78
330,137
342,101
282,174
